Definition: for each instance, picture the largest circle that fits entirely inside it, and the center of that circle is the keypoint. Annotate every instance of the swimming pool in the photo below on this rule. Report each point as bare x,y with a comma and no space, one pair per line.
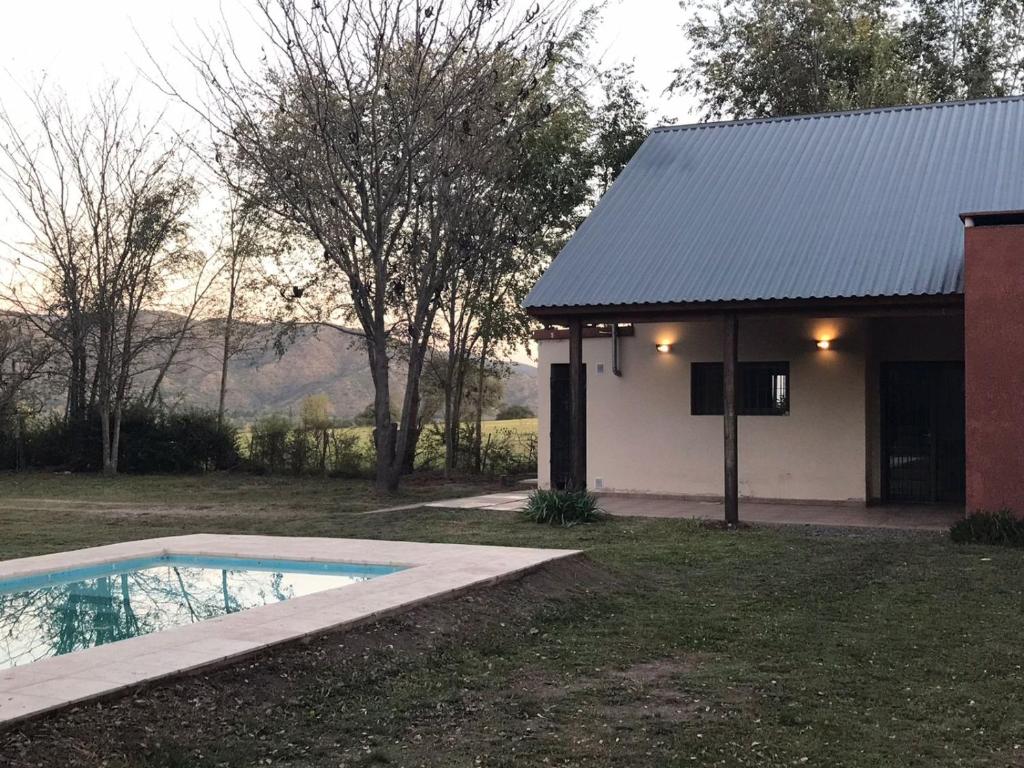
60,612
411,573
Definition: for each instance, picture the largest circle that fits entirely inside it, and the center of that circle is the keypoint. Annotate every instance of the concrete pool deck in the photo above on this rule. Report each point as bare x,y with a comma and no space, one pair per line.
432,571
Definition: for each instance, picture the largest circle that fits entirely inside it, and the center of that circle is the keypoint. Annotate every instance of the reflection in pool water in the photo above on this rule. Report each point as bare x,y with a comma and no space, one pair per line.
64,612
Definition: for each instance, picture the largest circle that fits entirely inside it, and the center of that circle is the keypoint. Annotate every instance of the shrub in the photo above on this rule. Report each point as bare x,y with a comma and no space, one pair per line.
301,452
1003,528
507,452
179,441
152,440
268,445
430,448
348,455
564,508
510,412
276,446
503,451
203,442
51,442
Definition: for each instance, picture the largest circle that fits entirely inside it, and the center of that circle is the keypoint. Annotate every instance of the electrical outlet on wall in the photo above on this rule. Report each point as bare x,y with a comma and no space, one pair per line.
598,483
600,367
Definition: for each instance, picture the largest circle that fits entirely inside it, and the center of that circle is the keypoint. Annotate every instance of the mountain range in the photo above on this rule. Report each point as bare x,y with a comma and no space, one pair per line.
311,361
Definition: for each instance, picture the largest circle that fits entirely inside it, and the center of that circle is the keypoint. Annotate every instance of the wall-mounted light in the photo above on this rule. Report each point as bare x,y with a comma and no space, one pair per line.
664,348
824,344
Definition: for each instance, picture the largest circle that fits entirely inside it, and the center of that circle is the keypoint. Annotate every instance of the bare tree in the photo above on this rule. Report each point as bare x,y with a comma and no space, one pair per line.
24,357
202,281
24,360
103,197
246,242
359,129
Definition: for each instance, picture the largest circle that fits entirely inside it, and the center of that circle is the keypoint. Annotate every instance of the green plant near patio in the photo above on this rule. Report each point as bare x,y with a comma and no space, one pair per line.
1004,528
565,508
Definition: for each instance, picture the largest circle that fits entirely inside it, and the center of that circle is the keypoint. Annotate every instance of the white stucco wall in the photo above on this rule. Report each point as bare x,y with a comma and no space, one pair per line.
642,438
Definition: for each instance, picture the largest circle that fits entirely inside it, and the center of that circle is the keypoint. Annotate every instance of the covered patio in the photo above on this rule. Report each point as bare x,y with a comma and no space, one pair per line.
829,404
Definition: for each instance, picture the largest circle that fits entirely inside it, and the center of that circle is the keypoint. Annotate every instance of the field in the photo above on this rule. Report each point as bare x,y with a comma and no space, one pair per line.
509,447
679,645
518,426
490,428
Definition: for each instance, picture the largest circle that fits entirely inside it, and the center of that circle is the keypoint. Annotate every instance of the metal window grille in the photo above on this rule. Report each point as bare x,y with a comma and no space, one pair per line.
762,389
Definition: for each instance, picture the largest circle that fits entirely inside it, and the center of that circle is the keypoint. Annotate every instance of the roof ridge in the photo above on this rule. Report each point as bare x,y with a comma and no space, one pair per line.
842,113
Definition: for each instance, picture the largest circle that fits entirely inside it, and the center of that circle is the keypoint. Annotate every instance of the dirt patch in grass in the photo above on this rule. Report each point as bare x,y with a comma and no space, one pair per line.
336,699
657,690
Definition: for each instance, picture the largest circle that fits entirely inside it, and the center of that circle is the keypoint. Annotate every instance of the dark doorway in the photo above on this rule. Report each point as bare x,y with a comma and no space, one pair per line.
561,432
923,459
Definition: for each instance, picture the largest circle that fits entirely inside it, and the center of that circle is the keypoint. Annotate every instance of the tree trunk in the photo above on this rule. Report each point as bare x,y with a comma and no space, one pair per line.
449,438
162,373
453,423
411,427
384,428
478,436
105,439
226,355
408,433
20,464
76,385
115,440
77,416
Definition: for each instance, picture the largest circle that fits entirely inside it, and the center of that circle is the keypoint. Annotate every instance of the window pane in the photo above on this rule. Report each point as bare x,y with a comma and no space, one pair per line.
762,389
706,381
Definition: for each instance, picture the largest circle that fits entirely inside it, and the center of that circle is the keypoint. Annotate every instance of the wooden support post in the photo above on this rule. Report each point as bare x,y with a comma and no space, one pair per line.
729,366
577,412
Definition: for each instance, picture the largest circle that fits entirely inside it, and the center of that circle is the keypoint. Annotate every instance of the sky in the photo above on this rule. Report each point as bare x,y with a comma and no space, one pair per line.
80,45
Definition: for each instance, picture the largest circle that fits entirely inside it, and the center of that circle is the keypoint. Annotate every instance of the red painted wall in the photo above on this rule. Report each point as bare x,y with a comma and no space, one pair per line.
994,366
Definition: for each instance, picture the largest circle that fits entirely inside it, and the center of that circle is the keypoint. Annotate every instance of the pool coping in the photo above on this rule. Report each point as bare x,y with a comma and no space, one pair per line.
430,572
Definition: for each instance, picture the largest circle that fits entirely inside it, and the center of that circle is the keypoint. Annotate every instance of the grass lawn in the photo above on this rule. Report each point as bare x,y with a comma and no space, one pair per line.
766,647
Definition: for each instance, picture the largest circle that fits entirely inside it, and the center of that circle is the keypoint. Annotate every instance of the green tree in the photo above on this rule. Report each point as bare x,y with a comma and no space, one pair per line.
766,58
316,412
620,124
964,49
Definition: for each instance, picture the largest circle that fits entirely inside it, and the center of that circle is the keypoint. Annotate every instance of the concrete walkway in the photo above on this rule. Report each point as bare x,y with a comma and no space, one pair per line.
512,501
839,515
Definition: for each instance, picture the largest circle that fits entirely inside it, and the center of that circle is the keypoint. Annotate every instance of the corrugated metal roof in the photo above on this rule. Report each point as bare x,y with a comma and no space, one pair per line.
847,204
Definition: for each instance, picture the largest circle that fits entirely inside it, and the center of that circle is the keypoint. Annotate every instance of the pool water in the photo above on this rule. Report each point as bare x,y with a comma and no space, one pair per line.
62,612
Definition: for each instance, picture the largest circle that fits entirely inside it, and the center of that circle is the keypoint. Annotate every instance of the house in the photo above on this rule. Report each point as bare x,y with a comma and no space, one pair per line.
817,308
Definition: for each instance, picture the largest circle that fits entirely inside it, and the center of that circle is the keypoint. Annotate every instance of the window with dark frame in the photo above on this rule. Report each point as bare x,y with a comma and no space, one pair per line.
762,389
706,389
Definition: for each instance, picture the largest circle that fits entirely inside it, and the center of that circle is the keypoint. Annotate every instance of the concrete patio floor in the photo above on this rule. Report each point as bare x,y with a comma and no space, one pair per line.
839,515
